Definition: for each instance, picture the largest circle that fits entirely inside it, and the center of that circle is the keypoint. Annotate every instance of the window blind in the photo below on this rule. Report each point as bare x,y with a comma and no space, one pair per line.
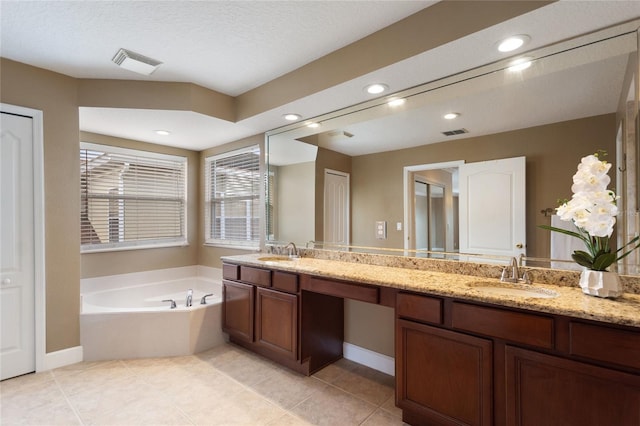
232,209
131,198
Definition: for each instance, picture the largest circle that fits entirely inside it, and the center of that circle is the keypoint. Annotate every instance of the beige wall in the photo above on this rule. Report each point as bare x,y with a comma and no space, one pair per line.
295,202
369,326
126,261
55,95
552,151
58,97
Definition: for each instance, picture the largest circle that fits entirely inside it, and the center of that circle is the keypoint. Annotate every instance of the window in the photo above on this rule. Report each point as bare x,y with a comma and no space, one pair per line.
232,211
131,199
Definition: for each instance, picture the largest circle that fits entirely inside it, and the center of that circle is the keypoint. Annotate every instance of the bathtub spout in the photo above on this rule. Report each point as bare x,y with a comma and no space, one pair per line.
203,301
189,301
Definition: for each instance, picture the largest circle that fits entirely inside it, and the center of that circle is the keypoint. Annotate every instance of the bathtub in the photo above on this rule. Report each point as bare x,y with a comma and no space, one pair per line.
121,318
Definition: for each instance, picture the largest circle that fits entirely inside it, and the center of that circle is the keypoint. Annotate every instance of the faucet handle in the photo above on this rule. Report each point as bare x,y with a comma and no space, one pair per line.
505,274
173,303
526,277
203,301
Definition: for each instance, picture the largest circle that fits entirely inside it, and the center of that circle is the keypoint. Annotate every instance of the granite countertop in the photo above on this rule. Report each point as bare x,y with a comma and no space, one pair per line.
570,301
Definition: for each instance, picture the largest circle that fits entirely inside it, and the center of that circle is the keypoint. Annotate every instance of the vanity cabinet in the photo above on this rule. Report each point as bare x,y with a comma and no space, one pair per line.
458,362
543,389
267,312
461,363
277,322
443,377
237,310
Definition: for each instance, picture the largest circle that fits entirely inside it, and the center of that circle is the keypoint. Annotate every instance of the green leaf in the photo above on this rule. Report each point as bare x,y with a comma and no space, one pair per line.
583,258
603,261
566,232
630,250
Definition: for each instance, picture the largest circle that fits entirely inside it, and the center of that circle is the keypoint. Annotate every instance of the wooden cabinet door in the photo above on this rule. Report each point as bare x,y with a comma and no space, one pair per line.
547,390
237,310
443,377
277,322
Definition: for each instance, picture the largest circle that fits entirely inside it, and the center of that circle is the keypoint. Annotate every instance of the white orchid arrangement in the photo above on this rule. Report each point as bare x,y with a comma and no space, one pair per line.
593,211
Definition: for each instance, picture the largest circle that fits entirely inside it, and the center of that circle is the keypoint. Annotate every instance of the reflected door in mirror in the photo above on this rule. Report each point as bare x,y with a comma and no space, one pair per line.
336,207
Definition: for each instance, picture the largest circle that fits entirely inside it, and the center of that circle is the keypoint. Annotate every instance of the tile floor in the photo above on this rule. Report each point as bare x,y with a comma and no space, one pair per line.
224,386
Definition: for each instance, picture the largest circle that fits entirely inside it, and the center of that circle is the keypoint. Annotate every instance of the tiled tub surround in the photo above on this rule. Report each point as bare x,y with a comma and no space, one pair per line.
123,316
455,279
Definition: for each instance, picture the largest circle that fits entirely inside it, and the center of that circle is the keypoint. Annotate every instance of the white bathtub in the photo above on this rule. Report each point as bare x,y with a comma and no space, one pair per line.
131,321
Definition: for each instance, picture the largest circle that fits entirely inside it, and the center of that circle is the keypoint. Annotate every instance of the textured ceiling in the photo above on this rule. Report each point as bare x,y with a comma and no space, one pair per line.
227,46
234,46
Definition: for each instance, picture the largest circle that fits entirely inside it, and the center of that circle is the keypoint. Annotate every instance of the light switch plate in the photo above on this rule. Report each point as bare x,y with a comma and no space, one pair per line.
381,230
398,226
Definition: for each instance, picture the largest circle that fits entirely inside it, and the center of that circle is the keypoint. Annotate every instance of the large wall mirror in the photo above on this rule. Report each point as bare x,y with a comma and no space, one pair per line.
371,175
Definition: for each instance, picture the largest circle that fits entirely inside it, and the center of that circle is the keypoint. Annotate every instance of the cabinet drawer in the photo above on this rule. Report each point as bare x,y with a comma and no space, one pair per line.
605,344
285,282
230,272
517,327
341,289
419,308
257,276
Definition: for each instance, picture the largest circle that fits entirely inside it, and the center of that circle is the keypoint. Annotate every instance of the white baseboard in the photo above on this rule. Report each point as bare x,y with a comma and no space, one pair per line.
371,359
62,358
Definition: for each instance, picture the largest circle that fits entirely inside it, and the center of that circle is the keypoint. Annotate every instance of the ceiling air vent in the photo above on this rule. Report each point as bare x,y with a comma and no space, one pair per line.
135,62
340,134
455,132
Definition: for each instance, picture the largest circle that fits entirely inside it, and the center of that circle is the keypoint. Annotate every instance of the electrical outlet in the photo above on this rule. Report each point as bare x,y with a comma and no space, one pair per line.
381,230
399,226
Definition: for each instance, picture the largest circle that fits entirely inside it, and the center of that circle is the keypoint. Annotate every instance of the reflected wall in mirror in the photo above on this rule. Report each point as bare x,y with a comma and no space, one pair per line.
569,103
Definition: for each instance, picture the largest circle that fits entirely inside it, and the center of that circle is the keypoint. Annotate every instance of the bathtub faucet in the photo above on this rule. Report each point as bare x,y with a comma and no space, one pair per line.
189,301
203,301
173,303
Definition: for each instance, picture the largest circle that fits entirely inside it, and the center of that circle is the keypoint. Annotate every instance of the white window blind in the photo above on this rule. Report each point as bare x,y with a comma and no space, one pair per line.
131,198
232,211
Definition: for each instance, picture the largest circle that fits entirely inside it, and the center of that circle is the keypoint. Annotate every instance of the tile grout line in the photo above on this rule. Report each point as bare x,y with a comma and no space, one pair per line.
144,380
69,403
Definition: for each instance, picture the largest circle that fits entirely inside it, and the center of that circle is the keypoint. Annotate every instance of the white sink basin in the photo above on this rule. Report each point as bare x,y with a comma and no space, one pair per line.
513,289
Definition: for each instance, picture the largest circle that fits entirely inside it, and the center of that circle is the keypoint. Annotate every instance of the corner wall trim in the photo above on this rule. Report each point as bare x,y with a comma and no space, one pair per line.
62,358
375,360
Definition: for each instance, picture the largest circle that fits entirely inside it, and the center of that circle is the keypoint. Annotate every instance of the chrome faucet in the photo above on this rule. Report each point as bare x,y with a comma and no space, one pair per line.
292,250
189,301
173,303
514,275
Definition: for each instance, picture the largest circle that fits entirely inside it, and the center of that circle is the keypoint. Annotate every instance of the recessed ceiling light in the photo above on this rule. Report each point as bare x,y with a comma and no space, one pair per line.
313,125
376,88
512,43
292,117
520,64
396,101
451,115
163,132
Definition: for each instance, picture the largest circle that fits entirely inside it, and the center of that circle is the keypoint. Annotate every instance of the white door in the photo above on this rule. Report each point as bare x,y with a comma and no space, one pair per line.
17,281
336,207
492,207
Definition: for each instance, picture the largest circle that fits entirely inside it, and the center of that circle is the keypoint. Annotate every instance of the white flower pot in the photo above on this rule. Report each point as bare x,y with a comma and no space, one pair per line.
600,283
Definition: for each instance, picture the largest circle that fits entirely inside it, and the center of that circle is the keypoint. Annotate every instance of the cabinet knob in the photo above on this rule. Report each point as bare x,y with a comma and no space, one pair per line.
6,281
519,245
